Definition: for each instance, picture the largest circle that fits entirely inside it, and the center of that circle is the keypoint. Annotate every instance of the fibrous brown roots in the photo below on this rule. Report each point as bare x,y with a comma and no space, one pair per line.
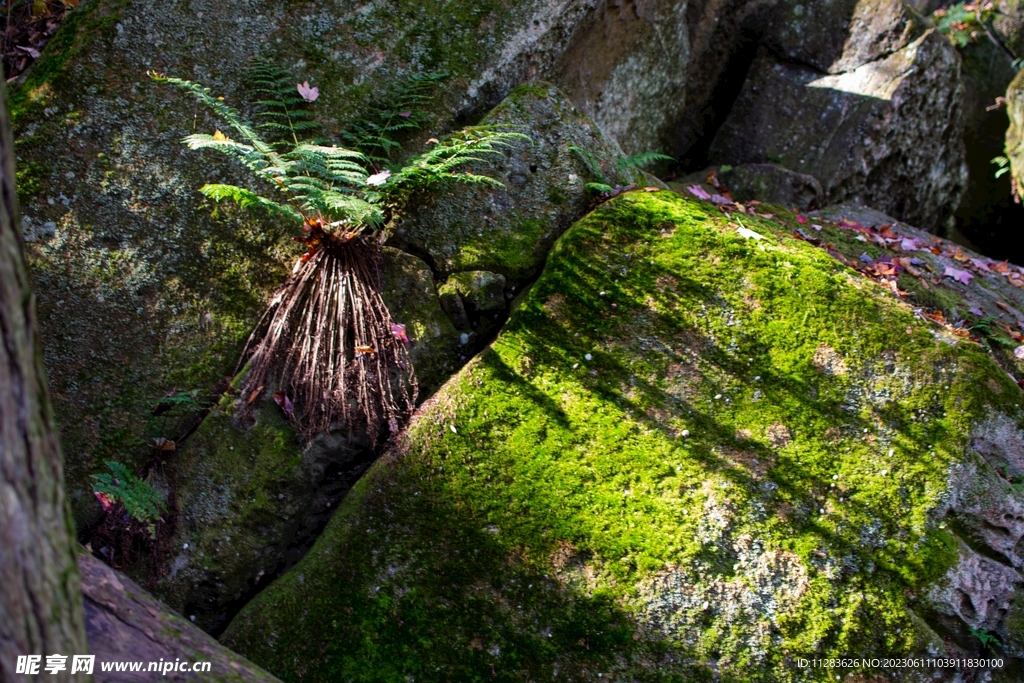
327,340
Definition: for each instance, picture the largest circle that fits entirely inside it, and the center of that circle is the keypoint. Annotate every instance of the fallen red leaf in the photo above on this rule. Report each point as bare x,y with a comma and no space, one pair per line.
106,502
281,399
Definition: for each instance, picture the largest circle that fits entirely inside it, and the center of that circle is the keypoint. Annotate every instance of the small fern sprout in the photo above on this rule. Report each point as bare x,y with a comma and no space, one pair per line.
599,184
141,499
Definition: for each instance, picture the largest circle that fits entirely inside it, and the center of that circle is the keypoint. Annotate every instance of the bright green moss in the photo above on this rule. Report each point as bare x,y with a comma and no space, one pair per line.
754,426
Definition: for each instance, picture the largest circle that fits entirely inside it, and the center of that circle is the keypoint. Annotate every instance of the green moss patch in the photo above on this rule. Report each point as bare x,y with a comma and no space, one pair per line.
689,454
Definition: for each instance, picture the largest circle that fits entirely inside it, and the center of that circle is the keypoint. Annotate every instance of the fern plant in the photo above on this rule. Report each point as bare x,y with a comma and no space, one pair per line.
989,641
327,338
1002,166
401,111
283,111
964,23
140,498
599,184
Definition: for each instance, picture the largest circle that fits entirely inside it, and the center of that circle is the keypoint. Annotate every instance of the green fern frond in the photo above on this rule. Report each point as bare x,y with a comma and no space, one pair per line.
280,106
140,498
331,181
248,199
439,164
639,161
217,106
405,108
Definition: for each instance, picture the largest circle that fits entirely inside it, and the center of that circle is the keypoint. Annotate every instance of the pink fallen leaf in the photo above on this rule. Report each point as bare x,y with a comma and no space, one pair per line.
980,265
405,114
720,200
308,93
32,52
910,244
1019,352
378,179
281,399
698,192
976,311
106,502
399,332
958,275
801,220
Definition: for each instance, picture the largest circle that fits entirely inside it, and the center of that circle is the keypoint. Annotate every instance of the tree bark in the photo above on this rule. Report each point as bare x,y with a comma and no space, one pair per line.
40,596
126,624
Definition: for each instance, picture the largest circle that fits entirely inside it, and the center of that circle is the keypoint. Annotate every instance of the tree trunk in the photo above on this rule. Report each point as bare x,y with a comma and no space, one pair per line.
40,596
126,624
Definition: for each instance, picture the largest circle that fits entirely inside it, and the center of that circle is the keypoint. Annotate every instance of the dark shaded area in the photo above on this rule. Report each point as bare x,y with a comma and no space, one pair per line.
710,117
988,218
206,600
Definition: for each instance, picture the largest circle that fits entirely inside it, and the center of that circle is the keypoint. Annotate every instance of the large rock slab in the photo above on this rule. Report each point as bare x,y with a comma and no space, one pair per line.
886,133
627,67
699,449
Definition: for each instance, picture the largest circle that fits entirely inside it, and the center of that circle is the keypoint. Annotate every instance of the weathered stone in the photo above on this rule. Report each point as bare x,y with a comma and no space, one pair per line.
451,303
125,624
483,290
775,184
835,36
823,35
509,231
691,452
1009,24
627,67
886,133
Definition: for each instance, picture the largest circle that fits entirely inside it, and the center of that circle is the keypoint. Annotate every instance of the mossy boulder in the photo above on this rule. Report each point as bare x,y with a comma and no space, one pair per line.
510,230
699,449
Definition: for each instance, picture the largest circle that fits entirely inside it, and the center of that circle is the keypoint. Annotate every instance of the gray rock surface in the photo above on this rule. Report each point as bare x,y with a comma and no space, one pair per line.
509,231
774,184
885,133
627,67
